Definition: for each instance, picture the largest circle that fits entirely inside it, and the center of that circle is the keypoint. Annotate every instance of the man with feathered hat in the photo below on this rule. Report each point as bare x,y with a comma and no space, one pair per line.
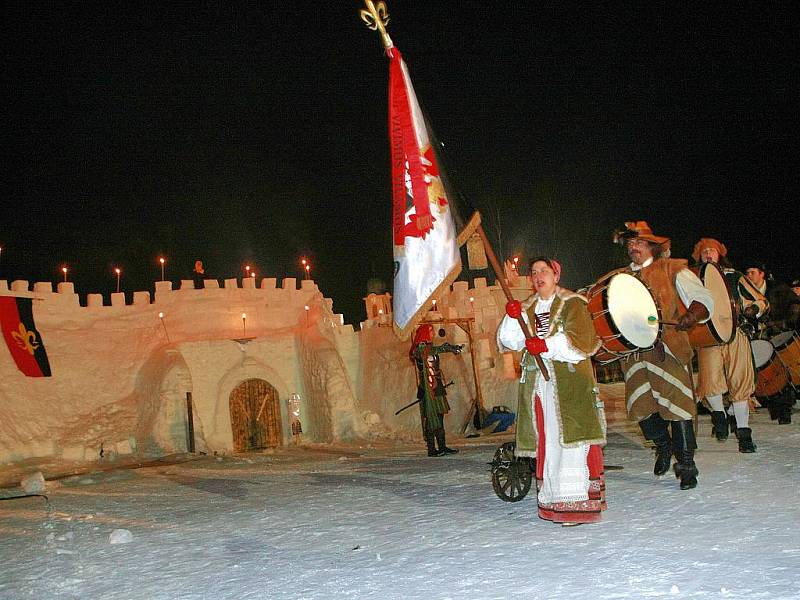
729,368
658,385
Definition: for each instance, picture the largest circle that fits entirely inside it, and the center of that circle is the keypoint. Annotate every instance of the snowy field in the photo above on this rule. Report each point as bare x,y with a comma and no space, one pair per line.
389,523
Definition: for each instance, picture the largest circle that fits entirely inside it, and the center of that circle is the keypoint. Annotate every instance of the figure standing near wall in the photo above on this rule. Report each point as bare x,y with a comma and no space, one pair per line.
199,275
431,392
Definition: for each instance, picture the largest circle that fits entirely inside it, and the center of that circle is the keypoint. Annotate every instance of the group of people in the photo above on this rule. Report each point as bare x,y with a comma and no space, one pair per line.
561,423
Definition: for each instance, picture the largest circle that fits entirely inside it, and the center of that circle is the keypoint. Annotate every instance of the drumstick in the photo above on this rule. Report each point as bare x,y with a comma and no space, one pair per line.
652,319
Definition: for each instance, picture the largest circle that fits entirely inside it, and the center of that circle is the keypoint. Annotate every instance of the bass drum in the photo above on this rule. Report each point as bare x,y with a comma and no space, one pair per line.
625,316
720,329
787,345
771,377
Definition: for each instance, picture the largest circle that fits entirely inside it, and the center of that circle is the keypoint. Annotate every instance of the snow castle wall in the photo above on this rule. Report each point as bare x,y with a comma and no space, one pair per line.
121,372
388,375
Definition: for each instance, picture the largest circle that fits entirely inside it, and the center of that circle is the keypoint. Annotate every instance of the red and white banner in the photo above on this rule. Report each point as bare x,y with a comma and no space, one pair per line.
426,255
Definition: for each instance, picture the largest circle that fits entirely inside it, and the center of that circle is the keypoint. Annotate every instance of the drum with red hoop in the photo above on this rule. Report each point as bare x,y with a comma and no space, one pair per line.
787,345
720,329
771,375
625,316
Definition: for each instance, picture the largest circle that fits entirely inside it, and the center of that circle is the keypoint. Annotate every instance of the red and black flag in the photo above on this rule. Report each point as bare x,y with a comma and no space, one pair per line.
23,340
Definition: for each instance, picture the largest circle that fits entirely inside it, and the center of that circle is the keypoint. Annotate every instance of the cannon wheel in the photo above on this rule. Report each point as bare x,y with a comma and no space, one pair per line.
511,476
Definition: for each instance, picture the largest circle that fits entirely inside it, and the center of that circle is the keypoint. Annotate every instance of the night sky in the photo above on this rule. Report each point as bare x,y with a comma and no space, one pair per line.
248,134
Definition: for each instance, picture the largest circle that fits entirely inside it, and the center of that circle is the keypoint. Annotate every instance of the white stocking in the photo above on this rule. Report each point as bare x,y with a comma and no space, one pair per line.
742,412
716,402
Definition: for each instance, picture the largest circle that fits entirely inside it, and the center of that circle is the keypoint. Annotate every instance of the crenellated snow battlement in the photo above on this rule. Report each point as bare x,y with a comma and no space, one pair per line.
227,311
65,291
121,372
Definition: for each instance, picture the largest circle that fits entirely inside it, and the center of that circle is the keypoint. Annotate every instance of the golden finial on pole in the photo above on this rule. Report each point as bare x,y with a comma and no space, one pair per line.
376,16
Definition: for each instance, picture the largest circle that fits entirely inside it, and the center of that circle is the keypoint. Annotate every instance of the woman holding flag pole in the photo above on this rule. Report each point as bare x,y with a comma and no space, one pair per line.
560,421
427,261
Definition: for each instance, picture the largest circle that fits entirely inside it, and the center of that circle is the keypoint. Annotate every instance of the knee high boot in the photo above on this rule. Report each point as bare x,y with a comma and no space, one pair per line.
684,444
655,429
443,449
746,445
719,425
786,402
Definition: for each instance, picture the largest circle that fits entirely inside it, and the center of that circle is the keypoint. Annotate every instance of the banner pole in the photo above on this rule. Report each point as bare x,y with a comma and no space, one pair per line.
500,276
376,17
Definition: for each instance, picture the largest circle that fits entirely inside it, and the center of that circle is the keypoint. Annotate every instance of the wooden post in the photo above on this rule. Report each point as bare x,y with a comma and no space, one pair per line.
190,428
478,404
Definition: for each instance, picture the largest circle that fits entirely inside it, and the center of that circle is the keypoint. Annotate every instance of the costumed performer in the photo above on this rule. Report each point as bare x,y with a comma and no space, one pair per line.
728,368
560,422
431,392
658,383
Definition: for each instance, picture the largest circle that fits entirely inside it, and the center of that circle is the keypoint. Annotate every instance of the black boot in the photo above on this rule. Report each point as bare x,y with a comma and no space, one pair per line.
732,425
655,429
774,407
746,445
719,425
785,414
443,449
431,444
684,444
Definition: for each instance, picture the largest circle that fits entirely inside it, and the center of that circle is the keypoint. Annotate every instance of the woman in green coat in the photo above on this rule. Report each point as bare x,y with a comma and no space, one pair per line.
561,421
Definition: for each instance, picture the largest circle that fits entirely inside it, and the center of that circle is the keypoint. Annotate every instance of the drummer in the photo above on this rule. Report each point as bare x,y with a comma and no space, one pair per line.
756,278
794,306
658,385
729,368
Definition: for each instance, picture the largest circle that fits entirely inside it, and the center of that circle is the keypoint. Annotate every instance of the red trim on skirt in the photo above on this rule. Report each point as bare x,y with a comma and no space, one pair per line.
582,511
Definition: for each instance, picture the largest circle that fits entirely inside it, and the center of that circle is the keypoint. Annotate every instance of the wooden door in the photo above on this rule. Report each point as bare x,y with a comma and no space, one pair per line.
255,416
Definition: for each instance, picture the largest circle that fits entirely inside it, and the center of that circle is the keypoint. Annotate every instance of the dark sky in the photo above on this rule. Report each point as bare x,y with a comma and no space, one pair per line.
251,134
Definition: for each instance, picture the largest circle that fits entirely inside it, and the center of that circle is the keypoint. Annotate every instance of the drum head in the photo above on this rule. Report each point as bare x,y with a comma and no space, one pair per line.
762,352
780,339
629,305
722,318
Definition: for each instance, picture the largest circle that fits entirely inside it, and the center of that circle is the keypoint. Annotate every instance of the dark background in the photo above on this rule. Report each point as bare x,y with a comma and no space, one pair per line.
249,134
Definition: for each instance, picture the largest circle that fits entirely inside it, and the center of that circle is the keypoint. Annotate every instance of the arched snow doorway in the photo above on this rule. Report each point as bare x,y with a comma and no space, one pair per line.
255,416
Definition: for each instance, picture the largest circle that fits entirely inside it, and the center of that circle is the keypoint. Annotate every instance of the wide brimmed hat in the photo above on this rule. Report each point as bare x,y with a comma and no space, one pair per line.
708,243
639,230
754,263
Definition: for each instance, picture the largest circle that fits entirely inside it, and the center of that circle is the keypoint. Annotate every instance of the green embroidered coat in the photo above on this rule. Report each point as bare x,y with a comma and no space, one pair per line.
580,411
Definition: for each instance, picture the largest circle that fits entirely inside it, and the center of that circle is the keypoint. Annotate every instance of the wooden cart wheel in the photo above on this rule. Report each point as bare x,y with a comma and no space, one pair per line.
511,476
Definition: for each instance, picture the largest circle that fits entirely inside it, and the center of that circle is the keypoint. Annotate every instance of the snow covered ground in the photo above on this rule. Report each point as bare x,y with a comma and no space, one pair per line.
386,522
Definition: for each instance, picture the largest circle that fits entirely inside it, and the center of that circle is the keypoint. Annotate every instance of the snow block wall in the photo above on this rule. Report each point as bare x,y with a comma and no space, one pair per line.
123,373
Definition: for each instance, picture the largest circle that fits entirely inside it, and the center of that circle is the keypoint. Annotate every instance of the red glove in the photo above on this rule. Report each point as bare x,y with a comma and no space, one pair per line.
514,309
535,345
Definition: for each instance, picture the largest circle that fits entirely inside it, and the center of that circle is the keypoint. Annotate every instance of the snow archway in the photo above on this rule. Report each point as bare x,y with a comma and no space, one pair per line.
162,386
170,427
255,416
249,369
